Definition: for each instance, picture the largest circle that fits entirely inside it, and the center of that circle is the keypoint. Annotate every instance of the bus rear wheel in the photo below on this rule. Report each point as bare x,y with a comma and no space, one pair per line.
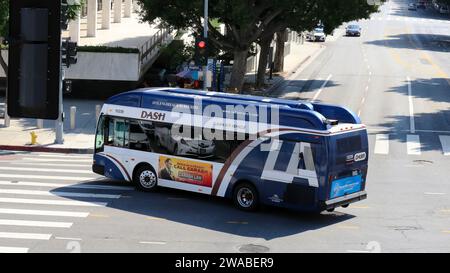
245,197
145,179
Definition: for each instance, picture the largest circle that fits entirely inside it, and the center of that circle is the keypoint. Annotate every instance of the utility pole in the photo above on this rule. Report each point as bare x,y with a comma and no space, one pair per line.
59,123
205,35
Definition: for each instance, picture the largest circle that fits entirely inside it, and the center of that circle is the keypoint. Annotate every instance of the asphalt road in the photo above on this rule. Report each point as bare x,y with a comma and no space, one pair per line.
395,76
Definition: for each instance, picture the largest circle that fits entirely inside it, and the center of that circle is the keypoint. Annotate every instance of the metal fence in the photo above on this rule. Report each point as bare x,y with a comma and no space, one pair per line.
151,48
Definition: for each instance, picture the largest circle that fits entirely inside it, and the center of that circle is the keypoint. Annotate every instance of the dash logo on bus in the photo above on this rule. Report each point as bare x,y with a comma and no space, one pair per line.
153,115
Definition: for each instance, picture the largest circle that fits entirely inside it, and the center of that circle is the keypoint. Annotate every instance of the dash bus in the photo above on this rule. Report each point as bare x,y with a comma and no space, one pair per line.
254,150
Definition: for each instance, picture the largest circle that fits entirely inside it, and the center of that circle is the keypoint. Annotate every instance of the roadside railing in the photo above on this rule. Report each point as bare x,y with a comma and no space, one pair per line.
151,48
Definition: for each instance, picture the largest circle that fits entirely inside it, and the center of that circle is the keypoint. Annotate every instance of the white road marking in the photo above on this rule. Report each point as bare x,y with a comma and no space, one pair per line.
322,87
413,144
64,156
52,202
60,194
56,160
382,144
59,185
68,239
30,236
46,170
358,251
44,213
153,243
71,178
376,129
5,249
434,193
88,165
411,108
23,223
445,142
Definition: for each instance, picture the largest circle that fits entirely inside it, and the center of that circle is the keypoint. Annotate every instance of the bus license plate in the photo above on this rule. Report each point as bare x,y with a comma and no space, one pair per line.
345,186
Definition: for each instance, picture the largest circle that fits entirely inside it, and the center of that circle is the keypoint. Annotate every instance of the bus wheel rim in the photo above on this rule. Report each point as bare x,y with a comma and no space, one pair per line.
147,179
245,197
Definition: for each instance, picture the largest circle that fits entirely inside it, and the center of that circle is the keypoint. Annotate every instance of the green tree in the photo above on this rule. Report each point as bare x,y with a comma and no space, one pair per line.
251,21
4,13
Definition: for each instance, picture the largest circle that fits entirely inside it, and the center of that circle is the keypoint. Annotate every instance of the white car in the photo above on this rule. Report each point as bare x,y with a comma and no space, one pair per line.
317,35
183,146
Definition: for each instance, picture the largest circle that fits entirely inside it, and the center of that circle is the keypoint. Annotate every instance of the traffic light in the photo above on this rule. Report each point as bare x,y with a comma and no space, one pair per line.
34,59
64,18
201,51
69,52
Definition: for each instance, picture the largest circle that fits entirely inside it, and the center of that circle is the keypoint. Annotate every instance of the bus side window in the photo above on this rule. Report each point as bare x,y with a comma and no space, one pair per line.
116,132
100,135
138,138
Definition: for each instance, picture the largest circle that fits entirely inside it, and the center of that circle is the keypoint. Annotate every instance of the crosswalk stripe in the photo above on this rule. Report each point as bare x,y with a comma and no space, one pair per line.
382,144
64,156
44,213
23,223
52,202
46,170
413,144
5,249
445,142
71,178
30,236
56,160
50,164
74,186
60,194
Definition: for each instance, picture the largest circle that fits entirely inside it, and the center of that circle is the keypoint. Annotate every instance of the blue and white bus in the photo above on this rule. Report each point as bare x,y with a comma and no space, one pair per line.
253,150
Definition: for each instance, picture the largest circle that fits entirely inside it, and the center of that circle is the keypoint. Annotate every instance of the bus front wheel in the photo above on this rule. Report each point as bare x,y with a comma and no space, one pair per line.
245,197
145,178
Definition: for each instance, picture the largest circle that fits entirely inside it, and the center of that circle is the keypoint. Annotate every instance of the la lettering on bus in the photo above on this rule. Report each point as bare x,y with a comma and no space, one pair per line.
153,115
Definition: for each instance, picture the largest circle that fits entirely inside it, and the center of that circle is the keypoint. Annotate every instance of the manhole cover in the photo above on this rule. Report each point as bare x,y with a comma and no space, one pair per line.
253,249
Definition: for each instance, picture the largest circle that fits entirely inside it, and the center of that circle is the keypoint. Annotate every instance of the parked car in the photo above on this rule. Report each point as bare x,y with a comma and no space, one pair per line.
353,30
421,5
412,6
317,35
443,10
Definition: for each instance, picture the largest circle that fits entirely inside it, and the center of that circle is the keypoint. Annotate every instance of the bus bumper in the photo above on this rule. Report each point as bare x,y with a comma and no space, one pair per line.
345,200
98,169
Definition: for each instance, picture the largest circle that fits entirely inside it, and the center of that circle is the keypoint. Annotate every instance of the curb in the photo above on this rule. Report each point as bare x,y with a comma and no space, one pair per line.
43,149
276,85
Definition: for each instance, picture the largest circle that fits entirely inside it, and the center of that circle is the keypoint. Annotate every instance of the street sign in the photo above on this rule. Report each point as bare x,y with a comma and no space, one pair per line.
34,59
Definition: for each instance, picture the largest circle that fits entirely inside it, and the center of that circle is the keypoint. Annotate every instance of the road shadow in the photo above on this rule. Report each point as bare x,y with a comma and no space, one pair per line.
431,42
217,214
428,125
428,13
297,89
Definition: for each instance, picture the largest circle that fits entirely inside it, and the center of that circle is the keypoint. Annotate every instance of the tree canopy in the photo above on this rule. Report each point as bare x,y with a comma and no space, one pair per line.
248,21
4,13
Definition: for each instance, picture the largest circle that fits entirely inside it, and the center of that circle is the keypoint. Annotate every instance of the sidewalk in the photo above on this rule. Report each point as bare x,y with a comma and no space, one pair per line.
298,56
79,140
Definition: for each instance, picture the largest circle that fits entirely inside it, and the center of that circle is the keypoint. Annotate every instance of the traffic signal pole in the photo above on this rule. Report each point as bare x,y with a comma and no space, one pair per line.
205,35
59,123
